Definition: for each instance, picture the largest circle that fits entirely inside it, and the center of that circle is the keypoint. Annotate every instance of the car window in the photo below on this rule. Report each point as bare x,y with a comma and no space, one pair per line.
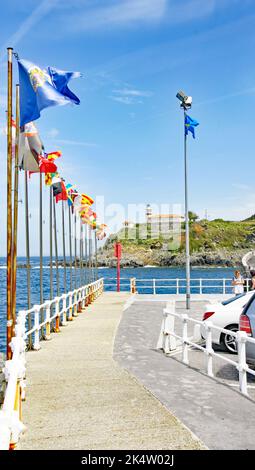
228,301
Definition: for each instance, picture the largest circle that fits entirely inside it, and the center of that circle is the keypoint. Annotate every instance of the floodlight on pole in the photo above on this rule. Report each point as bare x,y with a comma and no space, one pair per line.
186,102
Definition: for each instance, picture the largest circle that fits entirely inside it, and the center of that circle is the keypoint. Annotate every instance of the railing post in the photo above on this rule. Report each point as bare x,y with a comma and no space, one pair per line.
154,287
224,286
185,358
47,327
209,349
70,307
133,285
75,309
83,297
89,294
79,307
92,292
36,345
86,296
64,322
177,286
200,286
247,285
57,322
242,366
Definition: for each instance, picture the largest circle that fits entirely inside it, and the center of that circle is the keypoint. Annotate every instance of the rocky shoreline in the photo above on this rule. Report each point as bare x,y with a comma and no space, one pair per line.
219,258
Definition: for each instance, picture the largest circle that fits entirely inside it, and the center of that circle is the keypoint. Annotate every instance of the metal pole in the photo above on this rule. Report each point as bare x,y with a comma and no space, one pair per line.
70,249
56,245
90,256
9,206
51,256
75,252
86,254
64,243
15,213
118,274
28,258
80,253
82,244
41,251
186,220
96,264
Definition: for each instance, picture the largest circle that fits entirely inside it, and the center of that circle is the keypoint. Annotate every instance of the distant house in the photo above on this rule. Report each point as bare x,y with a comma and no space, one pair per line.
163,223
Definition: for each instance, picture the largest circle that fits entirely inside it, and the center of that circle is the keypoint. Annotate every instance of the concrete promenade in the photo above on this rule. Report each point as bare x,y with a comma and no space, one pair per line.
78,397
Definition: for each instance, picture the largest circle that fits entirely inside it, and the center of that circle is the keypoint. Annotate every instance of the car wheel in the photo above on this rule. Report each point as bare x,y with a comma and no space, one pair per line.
228,341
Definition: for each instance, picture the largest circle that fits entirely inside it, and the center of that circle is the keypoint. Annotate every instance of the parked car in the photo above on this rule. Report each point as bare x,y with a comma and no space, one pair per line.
226,315
247,324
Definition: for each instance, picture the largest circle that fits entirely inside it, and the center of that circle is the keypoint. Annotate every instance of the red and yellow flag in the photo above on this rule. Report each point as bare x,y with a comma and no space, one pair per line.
85,199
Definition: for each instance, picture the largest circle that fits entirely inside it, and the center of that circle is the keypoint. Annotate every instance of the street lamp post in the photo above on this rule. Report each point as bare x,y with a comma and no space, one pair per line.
186,102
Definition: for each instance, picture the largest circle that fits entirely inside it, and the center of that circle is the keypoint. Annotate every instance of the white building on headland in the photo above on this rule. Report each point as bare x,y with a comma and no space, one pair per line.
162,223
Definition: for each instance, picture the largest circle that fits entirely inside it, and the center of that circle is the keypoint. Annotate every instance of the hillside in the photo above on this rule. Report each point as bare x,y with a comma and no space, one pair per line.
217,242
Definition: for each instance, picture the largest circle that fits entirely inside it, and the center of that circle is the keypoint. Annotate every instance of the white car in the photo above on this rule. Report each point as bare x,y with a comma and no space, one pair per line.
226,315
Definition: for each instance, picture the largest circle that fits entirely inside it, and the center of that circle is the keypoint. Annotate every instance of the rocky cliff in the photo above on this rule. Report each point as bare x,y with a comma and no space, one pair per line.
214,243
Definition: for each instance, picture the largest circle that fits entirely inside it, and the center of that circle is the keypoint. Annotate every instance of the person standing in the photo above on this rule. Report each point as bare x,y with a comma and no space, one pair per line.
252,280
238,283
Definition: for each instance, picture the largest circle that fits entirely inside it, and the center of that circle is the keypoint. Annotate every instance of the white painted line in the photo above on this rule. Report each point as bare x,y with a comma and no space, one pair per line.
129,302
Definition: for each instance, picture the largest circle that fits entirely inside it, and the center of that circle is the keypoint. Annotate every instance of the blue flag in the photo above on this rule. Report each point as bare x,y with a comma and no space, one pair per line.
40,89
190,125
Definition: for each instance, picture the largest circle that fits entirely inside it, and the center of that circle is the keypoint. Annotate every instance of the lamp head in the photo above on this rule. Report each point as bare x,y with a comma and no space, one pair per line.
186,101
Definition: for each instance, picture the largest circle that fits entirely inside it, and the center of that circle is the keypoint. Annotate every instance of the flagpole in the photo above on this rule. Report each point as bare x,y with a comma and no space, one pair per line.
187,242
56,245
51,254
96,266
41,250
83,263
70,249
9,205
86,254
90,255
80,253
64,244
75,251
15,213
28,258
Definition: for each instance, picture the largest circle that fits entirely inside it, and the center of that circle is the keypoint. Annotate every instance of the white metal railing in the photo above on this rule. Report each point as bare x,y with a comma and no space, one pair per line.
175,285
55,313
168,337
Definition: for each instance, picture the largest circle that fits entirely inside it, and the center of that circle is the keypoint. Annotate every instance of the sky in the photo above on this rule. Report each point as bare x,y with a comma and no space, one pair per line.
124,142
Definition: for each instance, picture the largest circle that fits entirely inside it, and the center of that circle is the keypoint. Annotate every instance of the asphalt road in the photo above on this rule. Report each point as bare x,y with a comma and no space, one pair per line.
211,407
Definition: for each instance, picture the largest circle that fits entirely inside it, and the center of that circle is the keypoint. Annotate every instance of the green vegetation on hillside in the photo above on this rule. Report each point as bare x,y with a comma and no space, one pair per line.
204,235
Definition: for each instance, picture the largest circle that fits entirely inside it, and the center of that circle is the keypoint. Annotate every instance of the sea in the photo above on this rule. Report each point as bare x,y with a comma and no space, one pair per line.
169,274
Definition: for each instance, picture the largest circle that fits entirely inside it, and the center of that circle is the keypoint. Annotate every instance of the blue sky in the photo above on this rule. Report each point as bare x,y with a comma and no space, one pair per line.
125,140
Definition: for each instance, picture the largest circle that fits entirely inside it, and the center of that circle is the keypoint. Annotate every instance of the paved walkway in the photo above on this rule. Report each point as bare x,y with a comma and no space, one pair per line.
78,397
220,416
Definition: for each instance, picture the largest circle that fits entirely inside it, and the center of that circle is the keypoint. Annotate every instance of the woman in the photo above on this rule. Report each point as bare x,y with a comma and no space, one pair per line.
238,283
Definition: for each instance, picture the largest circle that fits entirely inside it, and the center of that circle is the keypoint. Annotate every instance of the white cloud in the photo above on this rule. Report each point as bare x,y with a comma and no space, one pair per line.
130,96
130,92
52,133
37,15
242,186
125,100
75,142
118,14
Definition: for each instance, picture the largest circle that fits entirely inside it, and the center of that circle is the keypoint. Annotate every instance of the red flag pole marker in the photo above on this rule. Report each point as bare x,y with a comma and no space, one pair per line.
117,254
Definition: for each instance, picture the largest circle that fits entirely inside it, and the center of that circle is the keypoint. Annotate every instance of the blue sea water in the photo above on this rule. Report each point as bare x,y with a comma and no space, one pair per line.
168,274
